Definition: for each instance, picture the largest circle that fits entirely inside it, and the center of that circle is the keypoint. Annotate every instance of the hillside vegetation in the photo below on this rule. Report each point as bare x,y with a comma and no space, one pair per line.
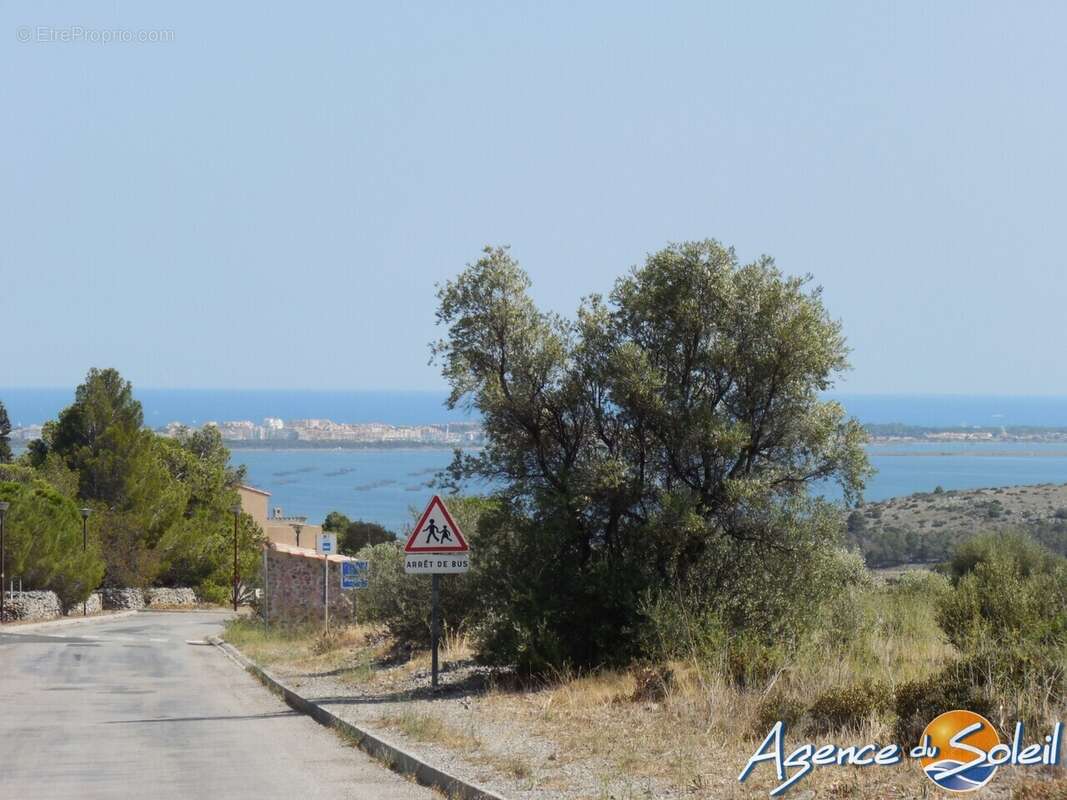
926,527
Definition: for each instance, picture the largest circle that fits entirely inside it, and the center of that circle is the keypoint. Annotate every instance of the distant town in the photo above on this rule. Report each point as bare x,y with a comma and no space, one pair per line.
896,432
275,432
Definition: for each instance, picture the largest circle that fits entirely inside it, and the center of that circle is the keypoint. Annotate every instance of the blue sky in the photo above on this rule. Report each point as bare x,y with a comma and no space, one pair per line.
268,199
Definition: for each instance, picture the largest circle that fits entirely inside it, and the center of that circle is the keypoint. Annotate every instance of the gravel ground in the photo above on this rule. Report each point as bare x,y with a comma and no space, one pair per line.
502,755
477,740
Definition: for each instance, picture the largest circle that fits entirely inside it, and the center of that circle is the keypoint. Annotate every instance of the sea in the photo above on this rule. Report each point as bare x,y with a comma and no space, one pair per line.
388,486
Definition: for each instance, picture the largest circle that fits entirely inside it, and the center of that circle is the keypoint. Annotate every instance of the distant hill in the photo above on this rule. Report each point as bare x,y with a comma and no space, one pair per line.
926,526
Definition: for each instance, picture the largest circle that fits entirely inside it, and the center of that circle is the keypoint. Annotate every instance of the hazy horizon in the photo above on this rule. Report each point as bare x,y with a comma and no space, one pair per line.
27,406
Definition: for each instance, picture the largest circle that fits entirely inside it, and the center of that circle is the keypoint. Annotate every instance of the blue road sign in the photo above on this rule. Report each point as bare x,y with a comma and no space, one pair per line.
355,574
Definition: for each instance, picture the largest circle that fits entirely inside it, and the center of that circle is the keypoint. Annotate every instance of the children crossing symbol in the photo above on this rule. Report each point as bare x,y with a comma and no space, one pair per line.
436,532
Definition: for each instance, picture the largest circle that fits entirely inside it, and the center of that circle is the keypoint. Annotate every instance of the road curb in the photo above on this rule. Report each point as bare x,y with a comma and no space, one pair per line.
62,622
396,758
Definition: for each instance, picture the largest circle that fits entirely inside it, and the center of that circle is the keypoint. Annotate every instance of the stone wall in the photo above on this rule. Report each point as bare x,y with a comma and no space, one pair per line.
26,606
40,605
170,598
93,605
293,586
123,599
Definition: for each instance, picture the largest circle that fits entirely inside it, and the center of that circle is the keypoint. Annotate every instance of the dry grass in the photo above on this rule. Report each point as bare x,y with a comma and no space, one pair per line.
1037,789
679,725
347,650
698,731
424,727
453,647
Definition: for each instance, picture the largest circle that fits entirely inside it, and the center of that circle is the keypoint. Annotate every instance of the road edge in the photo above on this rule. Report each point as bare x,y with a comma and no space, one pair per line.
389,754
17,627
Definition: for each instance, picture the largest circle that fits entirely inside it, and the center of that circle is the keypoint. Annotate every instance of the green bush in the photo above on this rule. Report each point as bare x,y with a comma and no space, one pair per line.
777,706
401,602
678,626
849,706
1007,616
1010,602
43,532
959,686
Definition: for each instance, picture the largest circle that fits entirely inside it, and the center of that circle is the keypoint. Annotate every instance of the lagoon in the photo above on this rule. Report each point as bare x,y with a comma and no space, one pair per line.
384,485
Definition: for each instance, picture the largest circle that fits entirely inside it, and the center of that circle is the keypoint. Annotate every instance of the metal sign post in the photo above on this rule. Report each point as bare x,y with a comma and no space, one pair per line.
327,545
326,592
434,632
436,547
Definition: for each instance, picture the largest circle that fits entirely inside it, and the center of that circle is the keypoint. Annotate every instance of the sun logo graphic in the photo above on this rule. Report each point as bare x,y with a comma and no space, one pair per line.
959,744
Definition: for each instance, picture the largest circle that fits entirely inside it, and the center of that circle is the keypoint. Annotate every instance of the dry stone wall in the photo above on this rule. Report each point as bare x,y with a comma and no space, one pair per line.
170,598
123,599
24,606
93,605
41,605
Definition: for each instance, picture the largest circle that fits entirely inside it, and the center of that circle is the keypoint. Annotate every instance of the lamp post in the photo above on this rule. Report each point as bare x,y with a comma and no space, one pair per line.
298,527
4,506
85,545
236,516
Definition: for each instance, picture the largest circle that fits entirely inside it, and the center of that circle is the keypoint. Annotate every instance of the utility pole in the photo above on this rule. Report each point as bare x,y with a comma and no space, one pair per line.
4,506
85,545
236,516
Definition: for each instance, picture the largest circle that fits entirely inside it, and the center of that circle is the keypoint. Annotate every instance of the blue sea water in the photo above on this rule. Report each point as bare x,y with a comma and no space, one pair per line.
383,485
380,486
192,406
196,406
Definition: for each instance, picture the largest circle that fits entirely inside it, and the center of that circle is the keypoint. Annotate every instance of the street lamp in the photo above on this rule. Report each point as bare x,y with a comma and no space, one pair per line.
236,516
85,544
298,527
4,506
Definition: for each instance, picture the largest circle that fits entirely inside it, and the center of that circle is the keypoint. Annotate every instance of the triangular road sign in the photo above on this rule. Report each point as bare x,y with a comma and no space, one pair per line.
436,532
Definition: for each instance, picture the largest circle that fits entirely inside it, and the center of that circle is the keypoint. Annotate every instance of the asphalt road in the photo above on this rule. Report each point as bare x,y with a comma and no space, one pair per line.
127,708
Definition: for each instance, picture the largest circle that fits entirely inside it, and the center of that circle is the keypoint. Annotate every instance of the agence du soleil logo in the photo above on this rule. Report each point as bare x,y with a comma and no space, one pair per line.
960,752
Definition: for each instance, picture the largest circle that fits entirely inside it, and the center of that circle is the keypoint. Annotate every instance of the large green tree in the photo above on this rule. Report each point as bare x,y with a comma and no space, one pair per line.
353,535
5,436
665,439
101,437
162,506
43,541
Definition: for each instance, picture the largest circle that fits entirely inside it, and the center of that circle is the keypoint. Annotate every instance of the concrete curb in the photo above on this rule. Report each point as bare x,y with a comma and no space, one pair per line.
16,627
394,757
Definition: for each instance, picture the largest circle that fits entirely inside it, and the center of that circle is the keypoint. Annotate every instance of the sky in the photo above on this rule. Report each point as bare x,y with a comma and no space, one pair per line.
267,197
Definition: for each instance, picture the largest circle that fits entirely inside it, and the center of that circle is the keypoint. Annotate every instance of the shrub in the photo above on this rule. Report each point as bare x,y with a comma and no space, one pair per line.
958,686
1010,599
857,522
1026,555
401,602
652,684
1007,615
677,626
777,706
849,706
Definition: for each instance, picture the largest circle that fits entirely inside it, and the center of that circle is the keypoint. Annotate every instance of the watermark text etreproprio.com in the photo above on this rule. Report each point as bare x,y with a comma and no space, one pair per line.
72,34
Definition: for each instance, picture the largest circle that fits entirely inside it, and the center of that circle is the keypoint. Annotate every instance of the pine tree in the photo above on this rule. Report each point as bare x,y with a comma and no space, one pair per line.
5,436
